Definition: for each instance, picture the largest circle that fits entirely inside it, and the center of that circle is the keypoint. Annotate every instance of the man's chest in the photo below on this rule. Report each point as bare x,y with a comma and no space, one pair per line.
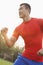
29,29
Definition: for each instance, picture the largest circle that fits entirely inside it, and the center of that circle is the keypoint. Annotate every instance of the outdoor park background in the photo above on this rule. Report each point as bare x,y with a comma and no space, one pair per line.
9,18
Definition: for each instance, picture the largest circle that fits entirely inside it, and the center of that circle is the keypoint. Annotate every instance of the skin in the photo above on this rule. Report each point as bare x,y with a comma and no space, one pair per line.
40,52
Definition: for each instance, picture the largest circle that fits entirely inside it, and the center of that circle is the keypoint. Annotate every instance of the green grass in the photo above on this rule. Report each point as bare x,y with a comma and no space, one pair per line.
4,62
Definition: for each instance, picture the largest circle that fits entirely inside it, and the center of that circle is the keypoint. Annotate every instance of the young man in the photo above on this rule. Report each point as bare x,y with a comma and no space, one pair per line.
31,31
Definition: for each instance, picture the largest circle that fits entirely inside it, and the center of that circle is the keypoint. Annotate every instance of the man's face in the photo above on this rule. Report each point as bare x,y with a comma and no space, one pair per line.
23,11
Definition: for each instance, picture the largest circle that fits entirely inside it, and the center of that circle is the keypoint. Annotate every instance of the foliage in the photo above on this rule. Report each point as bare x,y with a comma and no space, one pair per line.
7,53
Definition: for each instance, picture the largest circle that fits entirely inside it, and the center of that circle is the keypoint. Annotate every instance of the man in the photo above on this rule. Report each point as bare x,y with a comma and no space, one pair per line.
31,31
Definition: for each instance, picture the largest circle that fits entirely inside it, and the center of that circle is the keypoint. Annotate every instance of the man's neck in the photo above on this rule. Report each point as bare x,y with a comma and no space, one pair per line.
26,19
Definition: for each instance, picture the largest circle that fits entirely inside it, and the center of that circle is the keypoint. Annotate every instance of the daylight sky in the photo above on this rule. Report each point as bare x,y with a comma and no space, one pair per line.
9,16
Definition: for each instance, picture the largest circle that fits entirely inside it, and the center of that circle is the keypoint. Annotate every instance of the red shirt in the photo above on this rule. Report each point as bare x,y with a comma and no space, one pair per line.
31,32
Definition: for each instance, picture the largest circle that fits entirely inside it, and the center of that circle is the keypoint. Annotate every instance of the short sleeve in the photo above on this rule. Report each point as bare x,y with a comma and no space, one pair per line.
40,21
16,33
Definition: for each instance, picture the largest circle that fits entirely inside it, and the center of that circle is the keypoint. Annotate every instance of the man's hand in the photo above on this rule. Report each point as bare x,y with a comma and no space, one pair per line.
40,52
10,42
4,31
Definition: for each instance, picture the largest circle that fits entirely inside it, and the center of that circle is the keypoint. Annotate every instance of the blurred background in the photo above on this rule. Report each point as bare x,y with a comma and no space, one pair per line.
9,17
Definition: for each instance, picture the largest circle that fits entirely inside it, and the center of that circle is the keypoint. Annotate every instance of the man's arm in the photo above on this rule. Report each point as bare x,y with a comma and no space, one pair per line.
10,42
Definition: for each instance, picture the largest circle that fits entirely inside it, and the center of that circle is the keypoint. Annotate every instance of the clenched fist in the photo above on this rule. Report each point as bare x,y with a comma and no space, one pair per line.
4,31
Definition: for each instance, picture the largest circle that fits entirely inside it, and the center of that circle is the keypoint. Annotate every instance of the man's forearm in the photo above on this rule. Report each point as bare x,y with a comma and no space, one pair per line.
8,41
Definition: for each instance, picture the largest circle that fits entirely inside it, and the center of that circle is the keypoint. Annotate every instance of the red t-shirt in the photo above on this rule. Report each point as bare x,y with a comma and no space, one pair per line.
31,32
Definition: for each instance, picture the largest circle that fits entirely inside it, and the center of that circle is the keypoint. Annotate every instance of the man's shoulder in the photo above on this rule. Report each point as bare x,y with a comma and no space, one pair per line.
38,18
35,18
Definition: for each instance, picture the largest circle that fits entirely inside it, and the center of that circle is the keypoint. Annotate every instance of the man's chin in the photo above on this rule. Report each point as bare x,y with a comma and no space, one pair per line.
20,16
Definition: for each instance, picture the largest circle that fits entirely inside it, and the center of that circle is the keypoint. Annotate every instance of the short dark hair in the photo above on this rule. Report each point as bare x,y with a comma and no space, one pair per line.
27,6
